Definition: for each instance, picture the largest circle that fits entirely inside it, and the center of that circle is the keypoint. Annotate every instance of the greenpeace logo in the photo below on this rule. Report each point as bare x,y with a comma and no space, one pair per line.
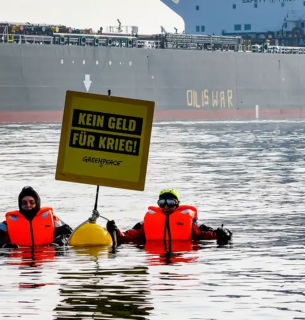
102,162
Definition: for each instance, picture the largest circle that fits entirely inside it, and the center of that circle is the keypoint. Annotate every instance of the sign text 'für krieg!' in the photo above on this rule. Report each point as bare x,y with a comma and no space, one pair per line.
105,122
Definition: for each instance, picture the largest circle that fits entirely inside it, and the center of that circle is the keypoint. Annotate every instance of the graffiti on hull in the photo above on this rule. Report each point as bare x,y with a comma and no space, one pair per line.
222,99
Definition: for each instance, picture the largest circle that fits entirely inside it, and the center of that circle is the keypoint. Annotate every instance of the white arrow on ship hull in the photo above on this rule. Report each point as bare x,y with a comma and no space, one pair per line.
87,82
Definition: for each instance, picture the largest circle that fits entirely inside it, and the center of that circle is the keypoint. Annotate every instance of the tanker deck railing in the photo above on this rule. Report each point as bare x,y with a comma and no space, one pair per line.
277,49
154,42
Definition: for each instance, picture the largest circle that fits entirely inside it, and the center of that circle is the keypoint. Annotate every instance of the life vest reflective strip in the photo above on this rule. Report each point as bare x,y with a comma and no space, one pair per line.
176,226
39,231
3,227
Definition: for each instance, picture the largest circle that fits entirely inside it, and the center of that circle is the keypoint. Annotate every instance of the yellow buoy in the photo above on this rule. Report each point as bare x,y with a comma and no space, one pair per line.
90,234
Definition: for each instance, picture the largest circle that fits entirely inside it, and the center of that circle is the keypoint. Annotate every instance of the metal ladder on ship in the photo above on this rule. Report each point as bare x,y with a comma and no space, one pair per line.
10,38
7,36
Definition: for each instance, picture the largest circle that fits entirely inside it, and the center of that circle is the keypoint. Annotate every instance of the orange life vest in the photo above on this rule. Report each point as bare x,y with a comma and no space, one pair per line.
180,223
39,231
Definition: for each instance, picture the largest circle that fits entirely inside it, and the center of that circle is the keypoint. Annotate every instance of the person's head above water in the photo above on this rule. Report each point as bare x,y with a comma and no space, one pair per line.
29,200
169,200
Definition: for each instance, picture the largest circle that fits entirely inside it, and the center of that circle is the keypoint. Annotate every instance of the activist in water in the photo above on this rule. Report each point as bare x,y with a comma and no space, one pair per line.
170,221
32,225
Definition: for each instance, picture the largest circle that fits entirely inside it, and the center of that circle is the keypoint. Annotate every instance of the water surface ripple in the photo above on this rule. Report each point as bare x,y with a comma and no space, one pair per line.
247,175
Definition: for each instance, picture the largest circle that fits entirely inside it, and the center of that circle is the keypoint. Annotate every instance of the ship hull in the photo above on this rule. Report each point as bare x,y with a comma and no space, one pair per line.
185,84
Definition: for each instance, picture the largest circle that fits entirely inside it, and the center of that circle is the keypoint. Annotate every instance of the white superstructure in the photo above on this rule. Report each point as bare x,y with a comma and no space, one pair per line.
221,17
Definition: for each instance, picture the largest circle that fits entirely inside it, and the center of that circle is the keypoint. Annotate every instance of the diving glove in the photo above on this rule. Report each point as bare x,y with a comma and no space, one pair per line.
111,226
60,241
223,235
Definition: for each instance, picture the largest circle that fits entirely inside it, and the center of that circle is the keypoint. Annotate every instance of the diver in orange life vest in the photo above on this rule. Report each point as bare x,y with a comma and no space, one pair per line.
32,225
170,221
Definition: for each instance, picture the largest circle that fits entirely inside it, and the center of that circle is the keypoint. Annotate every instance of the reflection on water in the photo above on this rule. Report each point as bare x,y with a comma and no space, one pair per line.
174,252
122,292
248,176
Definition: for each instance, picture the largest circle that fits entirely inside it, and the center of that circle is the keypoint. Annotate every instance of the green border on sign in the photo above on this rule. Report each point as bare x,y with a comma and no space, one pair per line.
61,175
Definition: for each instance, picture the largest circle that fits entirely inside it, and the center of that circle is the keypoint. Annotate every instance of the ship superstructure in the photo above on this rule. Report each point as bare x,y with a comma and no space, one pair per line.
282,20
